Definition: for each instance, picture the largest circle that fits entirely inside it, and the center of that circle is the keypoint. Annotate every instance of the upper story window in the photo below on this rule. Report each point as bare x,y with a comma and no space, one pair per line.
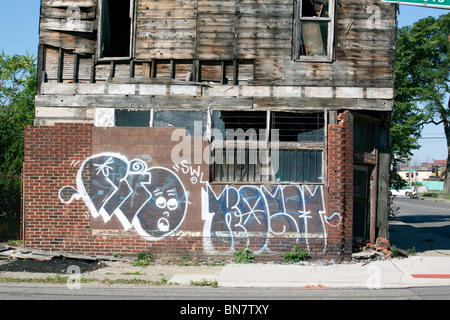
116,29
313,30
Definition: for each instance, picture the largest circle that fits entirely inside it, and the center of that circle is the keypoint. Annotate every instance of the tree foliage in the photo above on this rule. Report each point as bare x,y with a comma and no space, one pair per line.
422,80
17,91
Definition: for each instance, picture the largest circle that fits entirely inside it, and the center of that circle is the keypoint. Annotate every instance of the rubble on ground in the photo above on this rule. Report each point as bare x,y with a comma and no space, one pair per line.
11,252
379,251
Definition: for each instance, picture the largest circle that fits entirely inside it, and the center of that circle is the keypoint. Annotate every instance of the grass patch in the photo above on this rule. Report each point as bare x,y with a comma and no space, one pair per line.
65,280
205,283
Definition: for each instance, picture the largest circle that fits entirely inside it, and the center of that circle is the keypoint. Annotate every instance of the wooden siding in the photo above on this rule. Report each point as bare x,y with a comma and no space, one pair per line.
259,31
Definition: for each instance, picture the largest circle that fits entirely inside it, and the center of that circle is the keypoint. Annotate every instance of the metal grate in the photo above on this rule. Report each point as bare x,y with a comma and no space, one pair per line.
299,127
299,166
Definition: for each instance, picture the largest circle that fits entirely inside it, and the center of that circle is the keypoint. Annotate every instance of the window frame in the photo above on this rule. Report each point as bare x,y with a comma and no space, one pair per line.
297,19
269,145
100,34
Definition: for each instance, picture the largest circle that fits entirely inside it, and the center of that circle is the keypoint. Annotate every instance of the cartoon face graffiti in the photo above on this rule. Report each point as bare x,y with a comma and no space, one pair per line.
166,209
152,201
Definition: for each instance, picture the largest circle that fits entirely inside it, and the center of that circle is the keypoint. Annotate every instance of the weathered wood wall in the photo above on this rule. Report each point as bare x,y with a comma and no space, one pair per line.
257,31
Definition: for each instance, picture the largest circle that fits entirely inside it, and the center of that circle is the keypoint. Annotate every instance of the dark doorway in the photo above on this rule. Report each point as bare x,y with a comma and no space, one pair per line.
361,202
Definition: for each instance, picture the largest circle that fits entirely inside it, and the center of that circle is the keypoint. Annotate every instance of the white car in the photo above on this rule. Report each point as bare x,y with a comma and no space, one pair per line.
407,192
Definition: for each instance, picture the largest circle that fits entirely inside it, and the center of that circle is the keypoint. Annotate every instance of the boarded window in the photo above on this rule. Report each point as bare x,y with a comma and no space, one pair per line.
116,28
313,30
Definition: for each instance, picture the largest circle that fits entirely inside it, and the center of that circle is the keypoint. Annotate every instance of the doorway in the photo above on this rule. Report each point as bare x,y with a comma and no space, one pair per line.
361,202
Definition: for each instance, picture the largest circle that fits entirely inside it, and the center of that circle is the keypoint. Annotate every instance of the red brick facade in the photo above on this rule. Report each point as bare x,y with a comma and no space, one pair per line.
63,212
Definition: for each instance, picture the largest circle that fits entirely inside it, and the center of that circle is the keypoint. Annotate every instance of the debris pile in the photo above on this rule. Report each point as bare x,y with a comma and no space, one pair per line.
378,251
10,252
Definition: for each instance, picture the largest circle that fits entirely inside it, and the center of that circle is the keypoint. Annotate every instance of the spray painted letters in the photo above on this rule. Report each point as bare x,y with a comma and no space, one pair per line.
255,214
154,202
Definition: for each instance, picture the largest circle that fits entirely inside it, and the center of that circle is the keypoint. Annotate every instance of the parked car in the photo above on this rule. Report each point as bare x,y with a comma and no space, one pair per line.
407,192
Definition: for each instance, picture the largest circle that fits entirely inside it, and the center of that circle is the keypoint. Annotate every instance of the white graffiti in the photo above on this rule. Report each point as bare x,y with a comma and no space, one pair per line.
196,174
153,201
252,213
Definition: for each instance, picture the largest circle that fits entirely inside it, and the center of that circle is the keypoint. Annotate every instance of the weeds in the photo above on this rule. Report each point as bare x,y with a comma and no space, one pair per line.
144,259
296,255
205,283
244,256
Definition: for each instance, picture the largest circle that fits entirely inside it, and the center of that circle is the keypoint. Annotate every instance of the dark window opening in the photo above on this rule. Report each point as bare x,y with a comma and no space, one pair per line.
240,125
115,28
132,118
364,137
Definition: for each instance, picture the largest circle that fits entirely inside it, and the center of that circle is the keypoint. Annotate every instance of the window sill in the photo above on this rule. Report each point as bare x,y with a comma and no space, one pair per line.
313,59
109,59
264,182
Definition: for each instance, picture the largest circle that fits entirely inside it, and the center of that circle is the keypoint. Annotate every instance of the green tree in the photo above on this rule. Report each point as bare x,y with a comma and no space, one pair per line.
422,80
17,91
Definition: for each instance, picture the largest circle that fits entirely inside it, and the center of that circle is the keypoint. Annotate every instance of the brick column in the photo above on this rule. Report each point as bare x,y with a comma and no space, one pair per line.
340,181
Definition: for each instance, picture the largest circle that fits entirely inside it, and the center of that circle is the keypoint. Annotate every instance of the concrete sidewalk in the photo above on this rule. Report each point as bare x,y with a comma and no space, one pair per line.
420,270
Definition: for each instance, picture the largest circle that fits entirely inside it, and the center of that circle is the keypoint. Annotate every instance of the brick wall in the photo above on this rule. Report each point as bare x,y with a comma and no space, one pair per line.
67,167
49,152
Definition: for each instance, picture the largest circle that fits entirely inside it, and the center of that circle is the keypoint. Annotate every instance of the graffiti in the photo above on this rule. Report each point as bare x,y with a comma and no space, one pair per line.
196,174
153,200
255,214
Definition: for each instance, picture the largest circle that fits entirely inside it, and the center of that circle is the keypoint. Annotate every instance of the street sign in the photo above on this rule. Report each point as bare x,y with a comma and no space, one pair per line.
441,4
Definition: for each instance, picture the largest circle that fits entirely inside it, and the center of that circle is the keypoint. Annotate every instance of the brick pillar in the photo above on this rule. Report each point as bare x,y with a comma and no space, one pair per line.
340,180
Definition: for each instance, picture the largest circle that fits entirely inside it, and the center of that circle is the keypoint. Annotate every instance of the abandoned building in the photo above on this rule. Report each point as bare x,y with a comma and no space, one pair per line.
202,127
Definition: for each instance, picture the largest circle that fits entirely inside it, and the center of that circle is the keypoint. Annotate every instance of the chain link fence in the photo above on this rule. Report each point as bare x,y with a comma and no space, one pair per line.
10,208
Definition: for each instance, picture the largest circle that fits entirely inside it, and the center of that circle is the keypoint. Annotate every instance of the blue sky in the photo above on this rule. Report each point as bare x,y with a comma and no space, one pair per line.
19,23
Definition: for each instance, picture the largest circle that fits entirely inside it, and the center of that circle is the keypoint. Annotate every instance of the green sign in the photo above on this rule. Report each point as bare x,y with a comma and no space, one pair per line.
442,4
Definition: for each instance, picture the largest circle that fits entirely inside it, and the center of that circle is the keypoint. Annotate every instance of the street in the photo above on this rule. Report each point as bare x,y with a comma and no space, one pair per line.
24,291
421,223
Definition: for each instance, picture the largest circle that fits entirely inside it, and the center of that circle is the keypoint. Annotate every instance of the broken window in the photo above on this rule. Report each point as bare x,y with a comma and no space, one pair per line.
116,26
313,30
259,146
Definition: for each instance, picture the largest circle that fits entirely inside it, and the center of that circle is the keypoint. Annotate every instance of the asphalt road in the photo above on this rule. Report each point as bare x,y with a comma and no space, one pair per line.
423,224
214,296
